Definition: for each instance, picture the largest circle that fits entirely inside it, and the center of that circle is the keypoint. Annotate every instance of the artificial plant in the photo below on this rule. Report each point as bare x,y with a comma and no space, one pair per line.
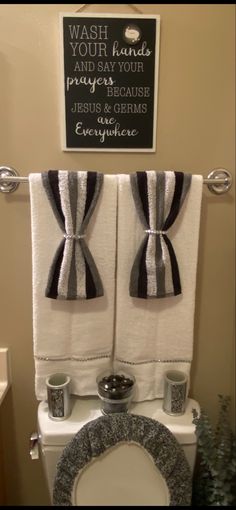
214,480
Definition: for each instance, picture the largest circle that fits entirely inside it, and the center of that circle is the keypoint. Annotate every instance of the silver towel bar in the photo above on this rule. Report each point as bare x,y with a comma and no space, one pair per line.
218,181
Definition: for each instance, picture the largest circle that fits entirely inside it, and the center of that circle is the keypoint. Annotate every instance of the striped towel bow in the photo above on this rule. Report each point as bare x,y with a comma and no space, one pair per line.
73,197
158,198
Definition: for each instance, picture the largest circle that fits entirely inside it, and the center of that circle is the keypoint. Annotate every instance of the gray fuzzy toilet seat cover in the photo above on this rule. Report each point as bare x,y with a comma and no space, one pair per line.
99,435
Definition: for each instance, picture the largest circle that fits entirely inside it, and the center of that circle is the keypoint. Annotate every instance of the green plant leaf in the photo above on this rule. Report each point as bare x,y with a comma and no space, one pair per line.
214,481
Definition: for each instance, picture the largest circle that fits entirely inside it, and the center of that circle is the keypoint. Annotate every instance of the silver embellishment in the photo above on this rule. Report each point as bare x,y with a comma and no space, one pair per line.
73,236
153,361
155,232
70,358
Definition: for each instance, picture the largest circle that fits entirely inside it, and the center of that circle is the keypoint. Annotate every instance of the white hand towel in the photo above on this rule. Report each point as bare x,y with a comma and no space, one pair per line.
73,337
154,335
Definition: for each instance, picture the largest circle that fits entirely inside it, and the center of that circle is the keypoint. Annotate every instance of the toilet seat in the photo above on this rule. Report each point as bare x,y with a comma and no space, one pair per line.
103,434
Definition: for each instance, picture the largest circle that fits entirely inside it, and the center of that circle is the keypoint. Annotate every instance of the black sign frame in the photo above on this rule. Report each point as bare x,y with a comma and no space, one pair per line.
109,68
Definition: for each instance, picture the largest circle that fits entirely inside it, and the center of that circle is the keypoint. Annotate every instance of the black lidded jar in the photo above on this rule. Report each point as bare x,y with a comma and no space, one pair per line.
115,389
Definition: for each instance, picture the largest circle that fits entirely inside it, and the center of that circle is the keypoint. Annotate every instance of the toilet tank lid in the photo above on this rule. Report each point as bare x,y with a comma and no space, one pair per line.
85,409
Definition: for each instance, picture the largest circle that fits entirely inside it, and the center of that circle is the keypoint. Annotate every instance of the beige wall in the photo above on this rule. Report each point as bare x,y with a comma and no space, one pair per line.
195,132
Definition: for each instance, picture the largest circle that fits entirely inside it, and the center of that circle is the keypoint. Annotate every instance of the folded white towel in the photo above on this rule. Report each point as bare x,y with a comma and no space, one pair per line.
73,337
154,335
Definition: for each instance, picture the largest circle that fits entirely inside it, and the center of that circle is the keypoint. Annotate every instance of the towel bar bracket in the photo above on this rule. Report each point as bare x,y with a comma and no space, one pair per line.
8,185
219,181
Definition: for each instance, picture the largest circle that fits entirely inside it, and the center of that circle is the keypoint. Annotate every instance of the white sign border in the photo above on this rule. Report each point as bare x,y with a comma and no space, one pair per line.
63,15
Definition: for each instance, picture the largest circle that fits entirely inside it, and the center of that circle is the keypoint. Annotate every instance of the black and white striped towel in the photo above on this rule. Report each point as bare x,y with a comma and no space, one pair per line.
73,197
158,198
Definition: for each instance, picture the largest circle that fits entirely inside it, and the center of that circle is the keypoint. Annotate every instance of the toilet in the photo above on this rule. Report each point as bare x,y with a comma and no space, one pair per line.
145,457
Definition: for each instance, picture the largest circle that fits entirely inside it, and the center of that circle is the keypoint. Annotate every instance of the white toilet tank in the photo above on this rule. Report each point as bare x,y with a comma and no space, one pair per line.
54,435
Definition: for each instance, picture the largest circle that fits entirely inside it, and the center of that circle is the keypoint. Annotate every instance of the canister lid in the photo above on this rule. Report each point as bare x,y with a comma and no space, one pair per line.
85,409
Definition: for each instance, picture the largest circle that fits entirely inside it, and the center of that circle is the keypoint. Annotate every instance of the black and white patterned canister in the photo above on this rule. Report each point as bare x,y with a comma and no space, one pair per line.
58,391
175,392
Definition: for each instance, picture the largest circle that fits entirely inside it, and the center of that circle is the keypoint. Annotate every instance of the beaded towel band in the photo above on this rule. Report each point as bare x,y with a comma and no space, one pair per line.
155,232
73,236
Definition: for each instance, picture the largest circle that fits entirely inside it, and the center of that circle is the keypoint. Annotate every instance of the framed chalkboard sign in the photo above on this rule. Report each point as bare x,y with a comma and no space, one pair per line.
109,81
